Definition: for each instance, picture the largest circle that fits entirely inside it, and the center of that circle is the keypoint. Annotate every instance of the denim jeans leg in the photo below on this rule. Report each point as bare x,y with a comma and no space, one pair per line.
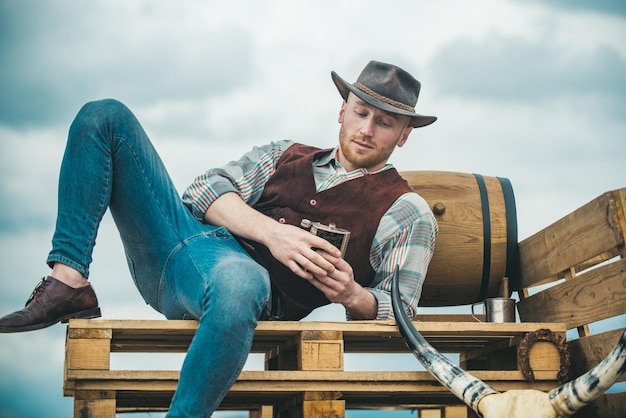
110,162
182,267
84,192
214,280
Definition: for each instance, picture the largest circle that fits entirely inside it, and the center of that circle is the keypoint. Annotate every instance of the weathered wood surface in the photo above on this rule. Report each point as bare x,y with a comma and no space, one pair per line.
587,352
359,336
610,405
597,228
291,381
254,388
594,295
587,248
445,412
305,364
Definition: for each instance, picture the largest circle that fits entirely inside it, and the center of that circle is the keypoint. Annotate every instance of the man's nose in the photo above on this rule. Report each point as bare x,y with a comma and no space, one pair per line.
367,127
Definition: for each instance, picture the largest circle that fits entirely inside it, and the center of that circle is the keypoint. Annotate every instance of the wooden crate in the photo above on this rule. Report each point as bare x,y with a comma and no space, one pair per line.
574,272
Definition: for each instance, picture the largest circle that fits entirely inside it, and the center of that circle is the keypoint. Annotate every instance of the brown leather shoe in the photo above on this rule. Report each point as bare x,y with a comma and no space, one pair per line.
52,301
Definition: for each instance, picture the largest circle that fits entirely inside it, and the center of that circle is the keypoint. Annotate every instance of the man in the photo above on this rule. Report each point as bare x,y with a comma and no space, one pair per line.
232,250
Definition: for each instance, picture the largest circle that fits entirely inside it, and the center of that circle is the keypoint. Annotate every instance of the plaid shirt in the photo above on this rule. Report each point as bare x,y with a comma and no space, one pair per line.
405,236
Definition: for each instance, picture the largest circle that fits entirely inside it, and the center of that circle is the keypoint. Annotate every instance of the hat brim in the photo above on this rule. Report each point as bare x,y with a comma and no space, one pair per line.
417,120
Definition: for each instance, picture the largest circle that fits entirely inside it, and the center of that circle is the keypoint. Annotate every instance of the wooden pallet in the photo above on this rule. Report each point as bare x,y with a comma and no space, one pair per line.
304,372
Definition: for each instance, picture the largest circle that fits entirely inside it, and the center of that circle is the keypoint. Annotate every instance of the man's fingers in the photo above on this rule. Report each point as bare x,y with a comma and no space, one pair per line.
321,244
300,270
314,264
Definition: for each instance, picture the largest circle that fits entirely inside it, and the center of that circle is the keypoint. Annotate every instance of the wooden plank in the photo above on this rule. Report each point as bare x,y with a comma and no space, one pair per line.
587,352
89,333
597,294
359,336
431,413
320,350
455,412
88,354
323,405
101,408
612,253
84,354
447,317
90,395
589,231
283,380
389,401
138,390
99,404
139,328
372,337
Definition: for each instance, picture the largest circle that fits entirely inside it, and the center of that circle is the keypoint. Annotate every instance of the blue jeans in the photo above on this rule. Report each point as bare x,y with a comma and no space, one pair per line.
182,267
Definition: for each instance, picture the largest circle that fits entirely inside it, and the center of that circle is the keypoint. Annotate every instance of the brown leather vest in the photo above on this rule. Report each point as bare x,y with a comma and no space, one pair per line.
356,205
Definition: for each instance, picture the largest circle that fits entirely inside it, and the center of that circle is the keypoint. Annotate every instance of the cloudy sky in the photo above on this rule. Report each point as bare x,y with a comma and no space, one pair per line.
534,91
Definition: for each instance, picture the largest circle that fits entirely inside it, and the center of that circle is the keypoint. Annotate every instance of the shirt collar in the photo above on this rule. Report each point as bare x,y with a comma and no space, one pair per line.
330,159
327,159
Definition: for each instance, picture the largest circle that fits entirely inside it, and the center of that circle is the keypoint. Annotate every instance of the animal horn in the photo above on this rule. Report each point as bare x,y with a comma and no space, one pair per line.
572,396
461,383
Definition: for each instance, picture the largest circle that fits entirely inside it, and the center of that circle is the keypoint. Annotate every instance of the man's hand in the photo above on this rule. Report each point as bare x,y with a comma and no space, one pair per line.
339,286
294,247
291,245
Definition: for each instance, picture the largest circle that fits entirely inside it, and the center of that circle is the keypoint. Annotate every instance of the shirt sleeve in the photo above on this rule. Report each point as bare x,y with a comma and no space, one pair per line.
406,238
246,177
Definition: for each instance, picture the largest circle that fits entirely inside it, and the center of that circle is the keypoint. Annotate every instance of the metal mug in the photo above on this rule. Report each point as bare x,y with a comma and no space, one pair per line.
497,310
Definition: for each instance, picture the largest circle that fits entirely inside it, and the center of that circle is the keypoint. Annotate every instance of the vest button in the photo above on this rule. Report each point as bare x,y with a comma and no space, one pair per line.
282,220
312,202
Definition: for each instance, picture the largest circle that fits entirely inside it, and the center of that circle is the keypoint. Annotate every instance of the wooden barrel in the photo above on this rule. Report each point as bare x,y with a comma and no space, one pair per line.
477,242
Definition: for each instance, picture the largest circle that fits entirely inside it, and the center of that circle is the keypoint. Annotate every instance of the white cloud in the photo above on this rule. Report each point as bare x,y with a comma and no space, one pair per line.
29,167
209,80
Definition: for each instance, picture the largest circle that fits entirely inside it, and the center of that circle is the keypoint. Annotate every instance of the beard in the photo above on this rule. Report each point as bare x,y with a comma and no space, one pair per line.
375,156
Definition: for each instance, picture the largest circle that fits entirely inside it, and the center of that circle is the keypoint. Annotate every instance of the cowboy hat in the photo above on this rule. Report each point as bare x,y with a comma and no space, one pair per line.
388,88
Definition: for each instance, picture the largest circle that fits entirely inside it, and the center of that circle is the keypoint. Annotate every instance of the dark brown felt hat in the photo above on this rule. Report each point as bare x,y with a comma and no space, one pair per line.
388,88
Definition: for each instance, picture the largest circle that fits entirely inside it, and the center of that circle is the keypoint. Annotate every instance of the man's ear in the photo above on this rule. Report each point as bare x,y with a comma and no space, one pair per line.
342,111
405,136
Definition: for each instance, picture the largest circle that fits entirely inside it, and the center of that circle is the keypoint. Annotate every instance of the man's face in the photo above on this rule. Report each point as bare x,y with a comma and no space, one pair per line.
368,135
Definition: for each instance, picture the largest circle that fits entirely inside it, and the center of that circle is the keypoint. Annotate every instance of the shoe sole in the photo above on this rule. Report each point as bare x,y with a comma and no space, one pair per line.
87,314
